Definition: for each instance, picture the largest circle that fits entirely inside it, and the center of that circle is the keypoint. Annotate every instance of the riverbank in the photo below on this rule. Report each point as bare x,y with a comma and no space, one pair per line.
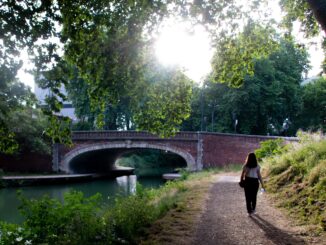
212,211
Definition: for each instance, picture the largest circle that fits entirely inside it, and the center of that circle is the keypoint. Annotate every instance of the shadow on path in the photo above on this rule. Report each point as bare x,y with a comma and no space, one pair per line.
274,234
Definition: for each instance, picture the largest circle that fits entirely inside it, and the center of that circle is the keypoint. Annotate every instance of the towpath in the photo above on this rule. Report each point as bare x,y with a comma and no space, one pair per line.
225,220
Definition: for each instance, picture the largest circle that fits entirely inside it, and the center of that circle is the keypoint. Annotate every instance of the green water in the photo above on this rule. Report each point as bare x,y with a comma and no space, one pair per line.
109,188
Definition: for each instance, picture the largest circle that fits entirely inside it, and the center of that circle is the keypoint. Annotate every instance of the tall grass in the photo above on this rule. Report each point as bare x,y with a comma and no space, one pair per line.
297,176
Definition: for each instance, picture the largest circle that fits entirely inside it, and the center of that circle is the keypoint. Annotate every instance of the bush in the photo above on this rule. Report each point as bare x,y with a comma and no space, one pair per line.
75,221
14,234
129,216
270,148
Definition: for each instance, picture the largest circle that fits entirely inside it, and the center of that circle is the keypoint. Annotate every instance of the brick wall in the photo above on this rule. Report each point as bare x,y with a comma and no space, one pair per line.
26,162
223,149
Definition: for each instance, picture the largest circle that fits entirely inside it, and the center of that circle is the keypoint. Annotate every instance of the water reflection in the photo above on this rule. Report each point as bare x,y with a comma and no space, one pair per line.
128,183
108,188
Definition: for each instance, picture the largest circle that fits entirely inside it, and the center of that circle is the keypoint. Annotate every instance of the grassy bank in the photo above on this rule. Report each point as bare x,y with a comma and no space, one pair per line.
296,175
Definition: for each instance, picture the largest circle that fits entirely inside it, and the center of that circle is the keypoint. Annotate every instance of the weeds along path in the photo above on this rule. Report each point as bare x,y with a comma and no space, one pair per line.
225,220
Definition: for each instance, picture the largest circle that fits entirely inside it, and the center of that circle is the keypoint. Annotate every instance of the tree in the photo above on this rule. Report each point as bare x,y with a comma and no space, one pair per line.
164,102
265,99
235,56
313,116
118,116
21,125
310,13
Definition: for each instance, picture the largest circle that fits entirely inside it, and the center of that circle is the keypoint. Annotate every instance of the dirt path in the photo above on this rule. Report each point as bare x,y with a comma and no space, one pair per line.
225,220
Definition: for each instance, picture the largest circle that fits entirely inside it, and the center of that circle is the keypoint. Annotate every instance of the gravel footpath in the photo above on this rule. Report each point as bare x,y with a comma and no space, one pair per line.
225,220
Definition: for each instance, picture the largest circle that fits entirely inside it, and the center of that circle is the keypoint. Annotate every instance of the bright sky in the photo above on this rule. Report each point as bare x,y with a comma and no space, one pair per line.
23,75
192,52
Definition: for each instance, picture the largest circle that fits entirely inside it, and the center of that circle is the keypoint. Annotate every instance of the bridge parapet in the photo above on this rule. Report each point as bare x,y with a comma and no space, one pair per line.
135,135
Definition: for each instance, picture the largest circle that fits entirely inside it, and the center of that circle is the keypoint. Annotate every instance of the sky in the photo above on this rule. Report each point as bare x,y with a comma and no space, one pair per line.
193,53
23,75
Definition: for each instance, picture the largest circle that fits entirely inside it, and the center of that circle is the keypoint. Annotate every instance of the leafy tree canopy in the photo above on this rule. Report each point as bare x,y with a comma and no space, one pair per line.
313,116
302,11
312,16
272,94
235,56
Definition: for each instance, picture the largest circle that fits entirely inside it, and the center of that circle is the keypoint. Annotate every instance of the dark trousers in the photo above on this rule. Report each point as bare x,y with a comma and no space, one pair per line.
251,190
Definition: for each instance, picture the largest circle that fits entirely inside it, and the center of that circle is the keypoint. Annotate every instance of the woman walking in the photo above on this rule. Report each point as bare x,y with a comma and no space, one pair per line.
251,175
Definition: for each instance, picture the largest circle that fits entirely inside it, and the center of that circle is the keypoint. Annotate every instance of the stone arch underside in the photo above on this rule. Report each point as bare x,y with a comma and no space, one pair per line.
115,150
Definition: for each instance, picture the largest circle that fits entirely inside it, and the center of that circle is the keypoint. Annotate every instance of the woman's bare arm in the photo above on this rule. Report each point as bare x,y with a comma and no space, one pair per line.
260,179
243,173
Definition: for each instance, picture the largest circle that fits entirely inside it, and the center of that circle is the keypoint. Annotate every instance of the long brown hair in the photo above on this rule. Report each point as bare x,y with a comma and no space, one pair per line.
251,161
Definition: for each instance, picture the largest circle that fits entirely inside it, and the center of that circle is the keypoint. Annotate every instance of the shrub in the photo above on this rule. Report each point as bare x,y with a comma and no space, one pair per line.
75,221
14,234
269,148
129,217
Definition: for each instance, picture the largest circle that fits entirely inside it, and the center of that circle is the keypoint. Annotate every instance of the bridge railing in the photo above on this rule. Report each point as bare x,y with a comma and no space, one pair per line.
98,135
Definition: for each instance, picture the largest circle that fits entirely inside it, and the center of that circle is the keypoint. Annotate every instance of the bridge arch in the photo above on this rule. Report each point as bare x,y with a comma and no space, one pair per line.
121,148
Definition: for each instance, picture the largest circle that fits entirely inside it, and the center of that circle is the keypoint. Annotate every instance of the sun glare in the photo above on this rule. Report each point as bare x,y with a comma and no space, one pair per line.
190,51
22,75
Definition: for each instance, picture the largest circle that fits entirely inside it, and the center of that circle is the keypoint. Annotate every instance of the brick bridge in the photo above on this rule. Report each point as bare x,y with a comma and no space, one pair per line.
198,149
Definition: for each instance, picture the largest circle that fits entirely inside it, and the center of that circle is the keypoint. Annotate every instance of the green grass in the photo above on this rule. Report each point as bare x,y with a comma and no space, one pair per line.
297,176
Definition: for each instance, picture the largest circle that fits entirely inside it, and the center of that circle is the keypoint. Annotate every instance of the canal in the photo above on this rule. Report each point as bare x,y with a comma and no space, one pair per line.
108,188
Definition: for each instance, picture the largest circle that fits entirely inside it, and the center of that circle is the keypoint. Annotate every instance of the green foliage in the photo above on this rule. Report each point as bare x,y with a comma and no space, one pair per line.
14,97
21,27
48,221
8,144
300,10
164,103
21,125
14,234
261,104
298,177
59,130
130,216
29,126
269,148
313,115
75,221
184,174
311,15
235,57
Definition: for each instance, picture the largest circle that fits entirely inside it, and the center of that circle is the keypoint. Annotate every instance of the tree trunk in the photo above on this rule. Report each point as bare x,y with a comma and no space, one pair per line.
319,9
